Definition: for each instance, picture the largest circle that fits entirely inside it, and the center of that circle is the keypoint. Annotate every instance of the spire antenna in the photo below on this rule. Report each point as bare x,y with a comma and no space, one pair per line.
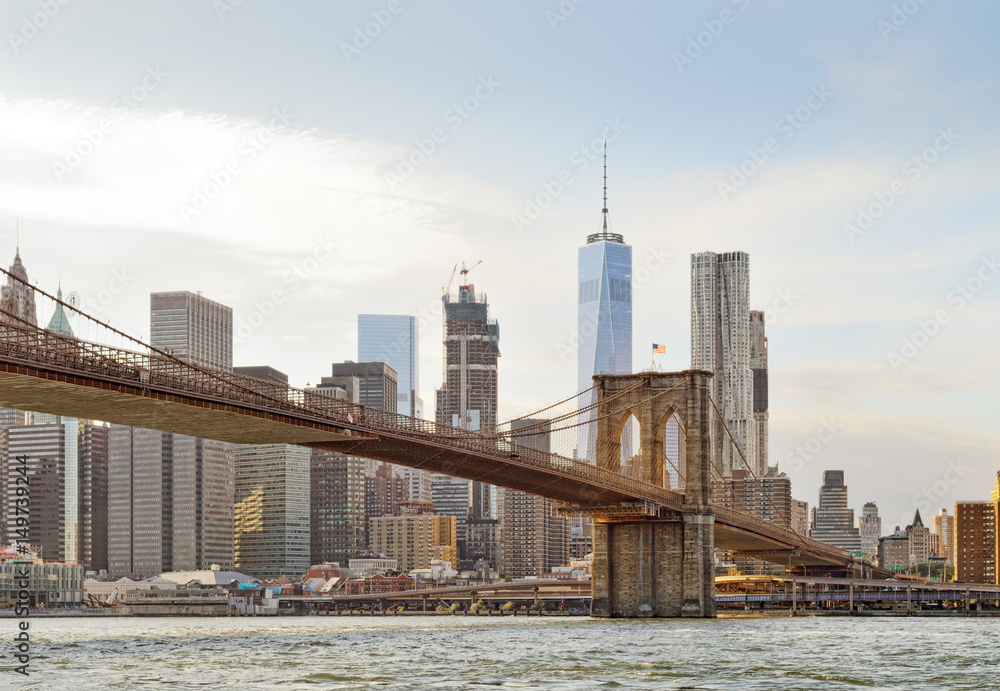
604,211
605,175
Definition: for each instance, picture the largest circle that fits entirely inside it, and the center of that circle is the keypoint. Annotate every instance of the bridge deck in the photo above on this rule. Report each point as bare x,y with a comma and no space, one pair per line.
44,372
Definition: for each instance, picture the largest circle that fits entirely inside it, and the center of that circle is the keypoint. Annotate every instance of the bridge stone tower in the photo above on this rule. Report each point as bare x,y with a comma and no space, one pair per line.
655,562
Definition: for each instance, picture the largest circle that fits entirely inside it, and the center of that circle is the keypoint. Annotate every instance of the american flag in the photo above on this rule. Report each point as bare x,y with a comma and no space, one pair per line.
659,348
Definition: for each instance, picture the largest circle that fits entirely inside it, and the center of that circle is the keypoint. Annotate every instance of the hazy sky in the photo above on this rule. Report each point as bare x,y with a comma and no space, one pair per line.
304,162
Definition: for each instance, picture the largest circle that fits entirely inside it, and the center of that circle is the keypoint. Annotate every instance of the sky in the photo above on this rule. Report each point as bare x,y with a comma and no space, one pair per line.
306,161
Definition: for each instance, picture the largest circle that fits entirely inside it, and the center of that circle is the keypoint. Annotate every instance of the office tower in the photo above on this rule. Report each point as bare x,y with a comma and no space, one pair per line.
468,395
268,374
720,343
832,521
414,540
377,383
272,510
338,506
192,328
870,529
271,515
604,319
800,516
171,496
394,340
943,525
758,368
67,470
534,538
452,496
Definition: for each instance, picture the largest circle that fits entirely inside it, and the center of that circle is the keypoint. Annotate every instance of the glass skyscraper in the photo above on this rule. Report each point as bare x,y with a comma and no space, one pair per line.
604,319
393,339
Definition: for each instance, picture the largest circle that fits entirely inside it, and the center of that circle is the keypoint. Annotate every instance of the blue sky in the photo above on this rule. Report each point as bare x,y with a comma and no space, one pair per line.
833,100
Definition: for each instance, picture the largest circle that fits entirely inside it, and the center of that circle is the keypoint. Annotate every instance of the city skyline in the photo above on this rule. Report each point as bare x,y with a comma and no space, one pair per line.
837,400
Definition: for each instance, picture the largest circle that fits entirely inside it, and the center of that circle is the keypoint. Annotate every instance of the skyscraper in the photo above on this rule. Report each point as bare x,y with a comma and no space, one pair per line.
171,497
67,468
943,525
337,508
604,318
17,299
832,521
468,395
272,502
870,529
192,328
533,537
271,513
720,343
452,496
758,367
394,340
17,306
377,382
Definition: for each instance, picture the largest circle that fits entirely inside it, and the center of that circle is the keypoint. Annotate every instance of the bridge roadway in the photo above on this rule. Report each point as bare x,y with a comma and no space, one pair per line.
45,372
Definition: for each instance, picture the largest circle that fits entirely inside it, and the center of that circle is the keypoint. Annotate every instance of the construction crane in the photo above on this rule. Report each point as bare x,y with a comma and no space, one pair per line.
444,291
465,271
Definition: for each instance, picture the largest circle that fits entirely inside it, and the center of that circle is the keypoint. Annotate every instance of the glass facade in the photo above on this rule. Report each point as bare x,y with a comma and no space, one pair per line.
604,321
272,510
393,339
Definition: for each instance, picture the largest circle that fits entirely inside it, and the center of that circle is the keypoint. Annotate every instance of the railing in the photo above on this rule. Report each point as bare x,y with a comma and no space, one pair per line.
172,376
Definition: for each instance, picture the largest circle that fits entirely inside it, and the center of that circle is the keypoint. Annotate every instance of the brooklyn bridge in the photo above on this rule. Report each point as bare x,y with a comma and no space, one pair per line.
654,545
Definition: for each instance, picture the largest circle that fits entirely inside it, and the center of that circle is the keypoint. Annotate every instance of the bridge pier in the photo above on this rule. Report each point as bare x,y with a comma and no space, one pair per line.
654,568
657,564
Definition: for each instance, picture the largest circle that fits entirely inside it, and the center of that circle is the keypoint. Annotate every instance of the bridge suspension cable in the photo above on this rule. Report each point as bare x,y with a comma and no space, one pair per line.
760,484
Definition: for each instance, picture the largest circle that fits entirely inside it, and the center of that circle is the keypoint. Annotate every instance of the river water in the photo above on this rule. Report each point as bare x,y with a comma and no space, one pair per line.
466,652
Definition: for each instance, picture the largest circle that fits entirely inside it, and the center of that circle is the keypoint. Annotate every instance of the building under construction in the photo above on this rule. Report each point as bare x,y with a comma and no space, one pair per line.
468,395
